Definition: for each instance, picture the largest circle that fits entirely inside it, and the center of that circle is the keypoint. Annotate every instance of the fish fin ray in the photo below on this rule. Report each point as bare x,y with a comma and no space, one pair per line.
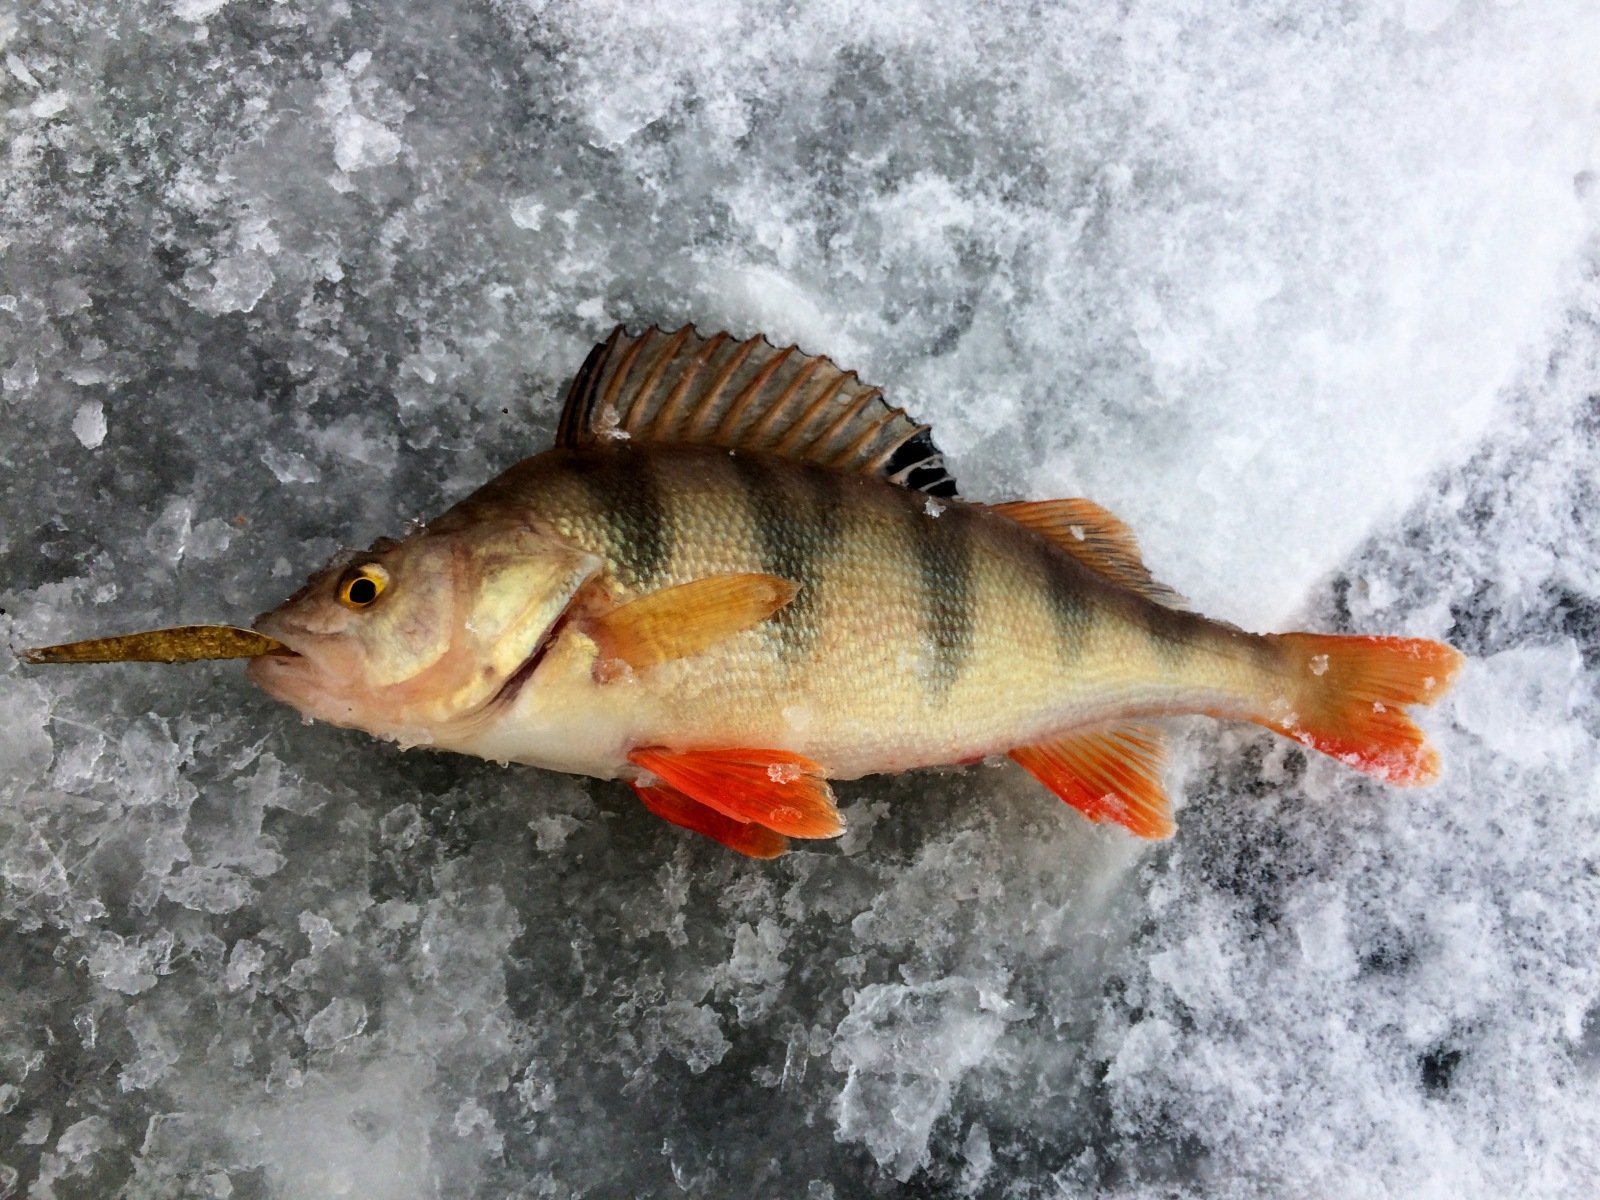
681,621
751,840
775,789
1349,695
1108,773
681,387
1094,537
583,394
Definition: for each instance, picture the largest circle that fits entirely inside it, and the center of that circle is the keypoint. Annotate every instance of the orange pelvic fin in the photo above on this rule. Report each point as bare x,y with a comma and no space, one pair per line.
1095,538
680,621
753,841
773,788
1348,700
1109,773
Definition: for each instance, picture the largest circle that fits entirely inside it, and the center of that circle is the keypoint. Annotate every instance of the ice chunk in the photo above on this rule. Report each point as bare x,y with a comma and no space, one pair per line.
197,10
289,466
341,1020
904,1050
755,973
49,105
360,141
156,1055
89,425
130,965
1522,703
359,1131
168,538
25,742
691,1032
244,961
233,283
527,212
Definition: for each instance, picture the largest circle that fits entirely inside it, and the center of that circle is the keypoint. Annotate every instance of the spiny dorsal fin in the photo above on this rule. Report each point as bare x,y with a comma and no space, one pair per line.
682,387
1096,539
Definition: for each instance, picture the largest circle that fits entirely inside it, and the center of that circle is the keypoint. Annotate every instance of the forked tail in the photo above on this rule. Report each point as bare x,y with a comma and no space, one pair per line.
1345,699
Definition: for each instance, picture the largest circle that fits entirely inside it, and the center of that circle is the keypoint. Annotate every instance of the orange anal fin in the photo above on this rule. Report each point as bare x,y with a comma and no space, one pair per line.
753,841
773,788
677,622
1348,697
1108,773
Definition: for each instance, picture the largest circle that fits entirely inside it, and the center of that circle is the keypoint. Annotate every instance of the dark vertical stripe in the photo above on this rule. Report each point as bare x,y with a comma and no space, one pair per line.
796,512
623,486
1173,631
1069,608
943,548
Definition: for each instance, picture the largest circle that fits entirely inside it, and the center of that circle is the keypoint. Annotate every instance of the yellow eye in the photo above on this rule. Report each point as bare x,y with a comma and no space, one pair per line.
362,585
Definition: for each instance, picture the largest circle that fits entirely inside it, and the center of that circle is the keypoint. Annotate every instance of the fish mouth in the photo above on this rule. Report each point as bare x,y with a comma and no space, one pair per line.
276,670
287,637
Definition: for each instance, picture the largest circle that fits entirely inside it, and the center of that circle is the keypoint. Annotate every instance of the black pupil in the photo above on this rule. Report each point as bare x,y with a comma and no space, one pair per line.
363,591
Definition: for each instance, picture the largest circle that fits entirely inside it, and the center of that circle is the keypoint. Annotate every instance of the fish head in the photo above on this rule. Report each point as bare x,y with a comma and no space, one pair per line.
417,640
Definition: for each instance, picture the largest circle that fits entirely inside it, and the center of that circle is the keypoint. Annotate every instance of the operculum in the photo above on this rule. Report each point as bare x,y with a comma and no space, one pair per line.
516,600
511,588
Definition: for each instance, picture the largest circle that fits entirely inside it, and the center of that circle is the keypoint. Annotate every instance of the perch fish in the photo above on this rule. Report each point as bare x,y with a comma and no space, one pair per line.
739,574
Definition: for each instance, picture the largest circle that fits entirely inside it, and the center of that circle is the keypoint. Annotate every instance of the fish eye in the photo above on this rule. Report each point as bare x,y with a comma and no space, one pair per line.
362,585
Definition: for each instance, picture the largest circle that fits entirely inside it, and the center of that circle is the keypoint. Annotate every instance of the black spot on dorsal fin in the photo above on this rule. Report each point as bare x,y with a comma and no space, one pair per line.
684,388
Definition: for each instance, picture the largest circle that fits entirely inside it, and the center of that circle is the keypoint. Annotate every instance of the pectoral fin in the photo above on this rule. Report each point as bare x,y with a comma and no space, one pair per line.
677,622
780,791
753,841
1109,773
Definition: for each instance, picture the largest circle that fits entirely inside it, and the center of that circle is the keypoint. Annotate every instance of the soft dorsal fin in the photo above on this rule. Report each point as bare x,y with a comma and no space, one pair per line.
686,388
1095,538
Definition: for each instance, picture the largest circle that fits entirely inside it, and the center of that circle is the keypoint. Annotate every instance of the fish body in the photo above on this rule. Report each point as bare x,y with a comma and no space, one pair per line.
739,574
925,631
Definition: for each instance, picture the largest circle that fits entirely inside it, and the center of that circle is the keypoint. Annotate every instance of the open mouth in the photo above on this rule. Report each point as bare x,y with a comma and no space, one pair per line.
280,652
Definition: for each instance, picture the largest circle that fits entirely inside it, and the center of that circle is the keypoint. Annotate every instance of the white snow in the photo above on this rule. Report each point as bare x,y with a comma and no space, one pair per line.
1305,294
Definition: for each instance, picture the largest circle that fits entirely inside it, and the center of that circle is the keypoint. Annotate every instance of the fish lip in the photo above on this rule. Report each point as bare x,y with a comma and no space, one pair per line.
289,639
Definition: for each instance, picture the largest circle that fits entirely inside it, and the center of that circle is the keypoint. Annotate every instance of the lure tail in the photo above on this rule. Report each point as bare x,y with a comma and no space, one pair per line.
1346,695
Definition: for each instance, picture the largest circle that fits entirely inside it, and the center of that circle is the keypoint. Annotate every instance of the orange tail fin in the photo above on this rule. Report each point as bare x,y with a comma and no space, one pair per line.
1348,698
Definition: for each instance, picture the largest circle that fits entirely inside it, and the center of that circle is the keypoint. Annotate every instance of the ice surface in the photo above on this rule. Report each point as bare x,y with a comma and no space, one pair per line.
1307,294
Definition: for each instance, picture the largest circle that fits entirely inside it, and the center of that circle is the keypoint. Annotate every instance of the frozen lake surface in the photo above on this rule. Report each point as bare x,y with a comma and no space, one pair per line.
1309,295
